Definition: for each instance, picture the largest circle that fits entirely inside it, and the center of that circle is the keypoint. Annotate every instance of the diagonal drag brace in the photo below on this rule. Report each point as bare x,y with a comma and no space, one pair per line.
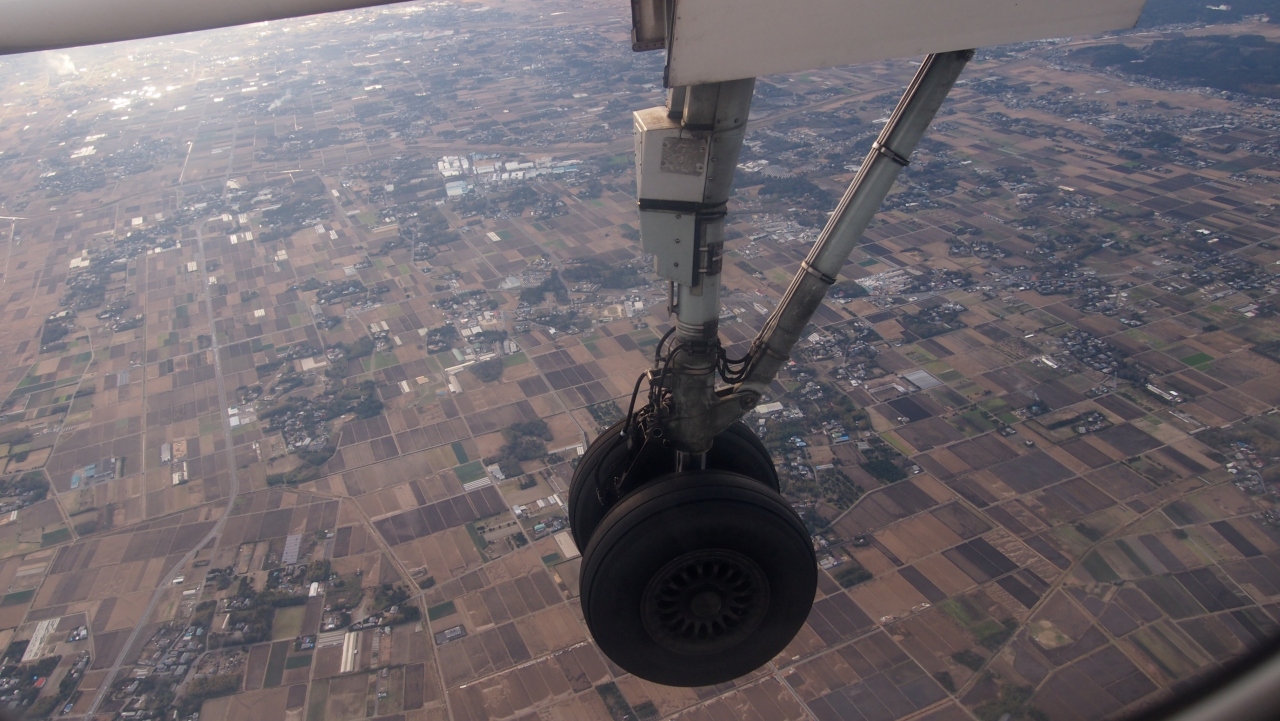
889,155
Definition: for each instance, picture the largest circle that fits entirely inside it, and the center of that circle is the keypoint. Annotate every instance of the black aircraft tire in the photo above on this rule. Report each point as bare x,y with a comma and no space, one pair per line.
737,450
609,443
602,463
698,578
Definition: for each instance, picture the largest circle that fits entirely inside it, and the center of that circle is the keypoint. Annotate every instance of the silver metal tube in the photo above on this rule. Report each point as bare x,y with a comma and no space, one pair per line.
691,461
721,110
718,111
844,230
696,306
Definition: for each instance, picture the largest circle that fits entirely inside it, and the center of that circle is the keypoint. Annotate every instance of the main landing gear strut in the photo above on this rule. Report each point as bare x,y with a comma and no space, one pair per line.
695,571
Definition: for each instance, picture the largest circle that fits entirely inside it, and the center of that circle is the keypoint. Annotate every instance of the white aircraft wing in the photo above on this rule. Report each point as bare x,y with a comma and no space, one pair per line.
716,40
29,25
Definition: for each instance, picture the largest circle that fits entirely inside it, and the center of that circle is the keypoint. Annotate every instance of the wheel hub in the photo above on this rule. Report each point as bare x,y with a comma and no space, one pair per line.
705,601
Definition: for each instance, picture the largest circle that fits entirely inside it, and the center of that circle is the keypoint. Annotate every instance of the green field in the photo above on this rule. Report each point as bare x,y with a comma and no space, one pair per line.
971,423
53,538
459,452
1098,567
897,443
481,544
960,610
288,623
643,338
275,664
469,472
316,700
1133,557
989,632
436,612
384,360
17,597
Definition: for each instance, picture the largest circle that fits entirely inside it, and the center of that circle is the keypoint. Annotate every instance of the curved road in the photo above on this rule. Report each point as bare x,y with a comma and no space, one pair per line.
166,582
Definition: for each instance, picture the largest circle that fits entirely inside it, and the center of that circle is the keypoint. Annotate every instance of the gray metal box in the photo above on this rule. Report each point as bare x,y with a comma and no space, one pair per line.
669,236
671,164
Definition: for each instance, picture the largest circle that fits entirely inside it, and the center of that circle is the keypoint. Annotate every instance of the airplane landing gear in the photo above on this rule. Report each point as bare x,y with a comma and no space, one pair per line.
697,577
694,570
616,464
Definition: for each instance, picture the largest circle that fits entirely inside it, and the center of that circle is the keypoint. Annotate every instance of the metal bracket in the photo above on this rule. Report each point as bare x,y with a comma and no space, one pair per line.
671,237
825,279
889,153
649,23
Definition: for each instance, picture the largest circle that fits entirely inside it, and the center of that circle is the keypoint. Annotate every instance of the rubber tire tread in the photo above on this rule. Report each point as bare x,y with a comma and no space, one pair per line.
687,511
737,449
